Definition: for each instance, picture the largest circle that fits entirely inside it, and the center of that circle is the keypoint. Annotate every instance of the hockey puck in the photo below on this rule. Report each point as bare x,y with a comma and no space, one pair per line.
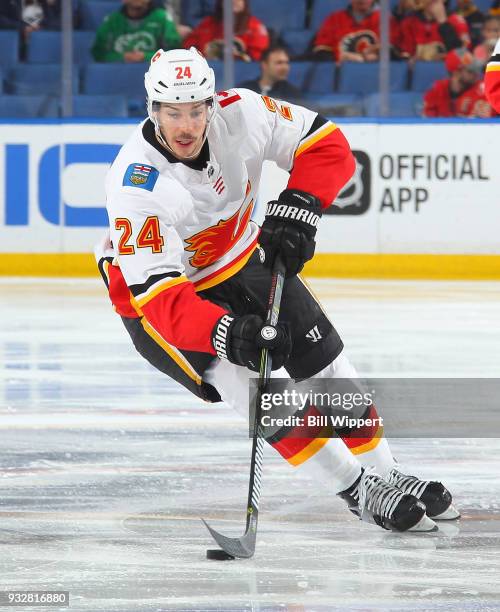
218,554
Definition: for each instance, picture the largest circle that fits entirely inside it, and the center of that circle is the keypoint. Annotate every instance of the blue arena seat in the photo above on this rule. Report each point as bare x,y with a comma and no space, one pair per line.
1,81
297,41
321,79
82,44
401,104
93,12
484,5
363,78
344,105
99,106
122,79
246,71
322,8
34,79
300,74
119,79
18,107
45,47
218,68
280,14
9,48
193,11
425,73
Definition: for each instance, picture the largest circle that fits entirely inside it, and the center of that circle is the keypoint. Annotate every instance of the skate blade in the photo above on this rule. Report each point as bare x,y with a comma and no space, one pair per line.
450,514
424,524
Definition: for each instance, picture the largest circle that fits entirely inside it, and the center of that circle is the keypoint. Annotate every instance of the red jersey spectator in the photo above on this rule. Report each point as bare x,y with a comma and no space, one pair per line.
492,79
462,95
403,9
430,32
352,35
250,34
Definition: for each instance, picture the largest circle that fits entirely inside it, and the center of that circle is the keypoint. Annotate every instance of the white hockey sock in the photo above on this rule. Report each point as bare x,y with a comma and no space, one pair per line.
379,458
334,464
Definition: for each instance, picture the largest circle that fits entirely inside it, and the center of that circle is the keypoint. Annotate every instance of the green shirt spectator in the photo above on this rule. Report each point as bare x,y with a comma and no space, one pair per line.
135,33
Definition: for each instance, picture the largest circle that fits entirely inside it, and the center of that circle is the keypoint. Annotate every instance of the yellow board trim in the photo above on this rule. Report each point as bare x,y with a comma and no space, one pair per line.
404,267
171,351
492,67
314,139
337,265
307,452
48,264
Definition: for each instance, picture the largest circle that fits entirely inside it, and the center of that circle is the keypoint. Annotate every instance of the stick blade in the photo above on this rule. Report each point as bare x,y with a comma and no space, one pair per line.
243,547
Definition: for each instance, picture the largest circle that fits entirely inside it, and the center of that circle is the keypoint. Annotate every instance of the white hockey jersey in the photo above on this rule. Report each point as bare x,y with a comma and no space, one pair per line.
173,223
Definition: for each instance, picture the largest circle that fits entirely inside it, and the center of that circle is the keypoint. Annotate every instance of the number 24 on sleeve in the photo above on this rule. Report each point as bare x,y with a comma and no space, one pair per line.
149,236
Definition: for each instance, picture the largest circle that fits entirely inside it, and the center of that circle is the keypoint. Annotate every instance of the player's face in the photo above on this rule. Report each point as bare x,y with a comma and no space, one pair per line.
277,66
183,126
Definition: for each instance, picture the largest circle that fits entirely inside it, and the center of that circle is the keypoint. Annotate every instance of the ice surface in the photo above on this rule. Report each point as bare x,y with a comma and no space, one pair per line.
106,466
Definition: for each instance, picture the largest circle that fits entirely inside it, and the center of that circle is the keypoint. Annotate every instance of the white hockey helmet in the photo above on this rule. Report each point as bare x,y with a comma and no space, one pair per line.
179,76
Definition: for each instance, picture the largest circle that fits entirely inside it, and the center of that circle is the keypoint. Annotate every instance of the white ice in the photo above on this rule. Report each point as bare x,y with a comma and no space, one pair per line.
106,465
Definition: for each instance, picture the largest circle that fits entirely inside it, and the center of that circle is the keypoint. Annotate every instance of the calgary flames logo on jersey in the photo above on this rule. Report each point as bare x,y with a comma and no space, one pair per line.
213,242
357,42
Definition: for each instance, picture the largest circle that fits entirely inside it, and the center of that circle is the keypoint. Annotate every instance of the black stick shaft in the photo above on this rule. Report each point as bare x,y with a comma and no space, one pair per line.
273,311
245,545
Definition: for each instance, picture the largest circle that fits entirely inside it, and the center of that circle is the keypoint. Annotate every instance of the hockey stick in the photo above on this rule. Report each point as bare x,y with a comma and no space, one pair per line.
245,546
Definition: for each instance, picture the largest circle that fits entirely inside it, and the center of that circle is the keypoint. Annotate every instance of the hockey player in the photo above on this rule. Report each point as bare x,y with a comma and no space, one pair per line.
492,79
185,273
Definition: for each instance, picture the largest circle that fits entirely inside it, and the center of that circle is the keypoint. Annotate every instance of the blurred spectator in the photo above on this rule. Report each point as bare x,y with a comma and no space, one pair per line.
30,15
403,9
135,33
430,32
275,68
352,34
462,95
250,34
489,36
474,18
495,8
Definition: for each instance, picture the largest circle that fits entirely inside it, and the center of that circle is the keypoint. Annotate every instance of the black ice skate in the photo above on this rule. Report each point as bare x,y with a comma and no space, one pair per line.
374,500
436,497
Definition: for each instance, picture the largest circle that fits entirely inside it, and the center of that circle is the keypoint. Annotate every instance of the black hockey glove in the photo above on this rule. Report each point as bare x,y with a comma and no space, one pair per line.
239,340
289,229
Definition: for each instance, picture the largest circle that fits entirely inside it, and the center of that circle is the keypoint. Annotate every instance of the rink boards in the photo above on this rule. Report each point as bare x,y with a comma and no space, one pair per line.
424,201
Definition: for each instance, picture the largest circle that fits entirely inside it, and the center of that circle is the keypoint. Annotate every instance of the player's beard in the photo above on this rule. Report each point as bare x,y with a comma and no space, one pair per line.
197,145
164,143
